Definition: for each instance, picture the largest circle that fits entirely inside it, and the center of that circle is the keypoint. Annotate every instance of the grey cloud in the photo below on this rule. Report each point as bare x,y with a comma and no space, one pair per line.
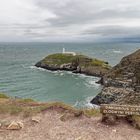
113,30
97,18
73,17
81,11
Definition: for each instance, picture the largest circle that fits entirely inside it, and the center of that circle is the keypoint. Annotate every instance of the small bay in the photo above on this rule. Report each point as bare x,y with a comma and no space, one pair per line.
19,77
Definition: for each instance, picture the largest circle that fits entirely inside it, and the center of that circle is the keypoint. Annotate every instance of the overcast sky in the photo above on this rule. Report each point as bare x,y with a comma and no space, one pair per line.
72,20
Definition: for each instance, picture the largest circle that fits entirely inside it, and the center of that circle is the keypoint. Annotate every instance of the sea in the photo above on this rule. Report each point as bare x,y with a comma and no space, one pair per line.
19,78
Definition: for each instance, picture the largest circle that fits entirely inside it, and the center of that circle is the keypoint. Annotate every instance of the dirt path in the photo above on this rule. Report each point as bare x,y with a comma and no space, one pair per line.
82,128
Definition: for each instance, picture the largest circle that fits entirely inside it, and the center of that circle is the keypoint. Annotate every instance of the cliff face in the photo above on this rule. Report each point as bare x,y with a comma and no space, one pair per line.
128,69
76,64
122,82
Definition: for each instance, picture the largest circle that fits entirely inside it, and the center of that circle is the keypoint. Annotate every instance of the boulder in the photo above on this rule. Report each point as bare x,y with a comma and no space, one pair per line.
15,125
36,119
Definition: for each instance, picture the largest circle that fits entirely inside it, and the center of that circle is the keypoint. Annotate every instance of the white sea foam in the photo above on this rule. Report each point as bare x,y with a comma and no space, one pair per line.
61,74
85,104
83,76
34,67
88,104
57,73
42,69
92,83
76,104
117,51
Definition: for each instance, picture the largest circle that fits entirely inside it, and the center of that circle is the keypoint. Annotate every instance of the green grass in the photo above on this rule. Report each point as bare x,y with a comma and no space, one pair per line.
28,100
60,105
10,109
3,96
58,59
29,107
92,112
96,62
100,63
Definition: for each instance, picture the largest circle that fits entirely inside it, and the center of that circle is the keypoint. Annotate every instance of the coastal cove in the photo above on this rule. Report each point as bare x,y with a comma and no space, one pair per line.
20,78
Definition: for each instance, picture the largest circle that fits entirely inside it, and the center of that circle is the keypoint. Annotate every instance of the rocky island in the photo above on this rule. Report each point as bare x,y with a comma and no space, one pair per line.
121,83
76,63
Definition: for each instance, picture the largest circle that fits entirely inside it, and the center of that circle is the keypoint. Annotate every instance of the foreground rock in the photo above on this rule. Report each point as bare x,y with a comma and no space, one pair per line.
122,83
15,126
36,119
75,63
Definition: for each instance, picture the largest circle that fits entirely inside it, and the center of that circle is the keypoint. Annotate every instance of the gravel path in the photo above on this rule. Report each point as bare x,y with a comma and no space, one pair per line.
82,128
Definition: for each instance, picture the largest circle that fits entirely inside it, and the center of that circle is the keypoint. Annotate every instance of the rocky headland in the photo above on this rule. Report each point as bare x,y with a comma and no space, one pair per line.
75,63
121,83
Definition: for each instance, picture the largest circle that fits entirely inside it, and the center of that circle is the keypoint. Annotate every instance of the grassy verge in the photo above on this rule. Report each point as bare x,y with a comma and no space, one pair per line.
3,96
29,107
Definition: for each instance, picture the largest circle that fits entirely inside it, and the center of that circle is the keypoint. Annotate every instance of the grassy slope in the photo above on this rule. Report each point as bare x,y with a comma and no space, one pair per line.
29,107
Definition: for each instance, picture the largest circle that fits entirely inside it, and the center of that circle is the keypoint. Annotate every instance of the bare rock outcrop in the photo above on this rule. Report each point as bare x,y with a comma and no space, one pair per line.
122,82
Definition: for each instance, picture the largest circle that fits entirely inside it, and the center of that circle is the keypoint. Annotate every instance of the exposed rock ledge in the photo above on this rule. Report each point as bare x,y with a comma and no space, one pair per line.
76,64
121,83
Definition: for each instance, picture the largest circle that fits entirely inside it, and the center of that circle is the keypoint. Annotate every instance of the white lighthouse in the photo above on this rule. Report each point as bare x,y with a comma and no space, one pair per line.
64,52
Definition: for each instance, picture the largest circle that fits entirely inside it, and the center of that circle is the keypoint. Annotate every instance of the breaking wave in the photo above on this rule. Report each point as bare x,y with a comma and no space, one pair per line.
117,51
85,104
